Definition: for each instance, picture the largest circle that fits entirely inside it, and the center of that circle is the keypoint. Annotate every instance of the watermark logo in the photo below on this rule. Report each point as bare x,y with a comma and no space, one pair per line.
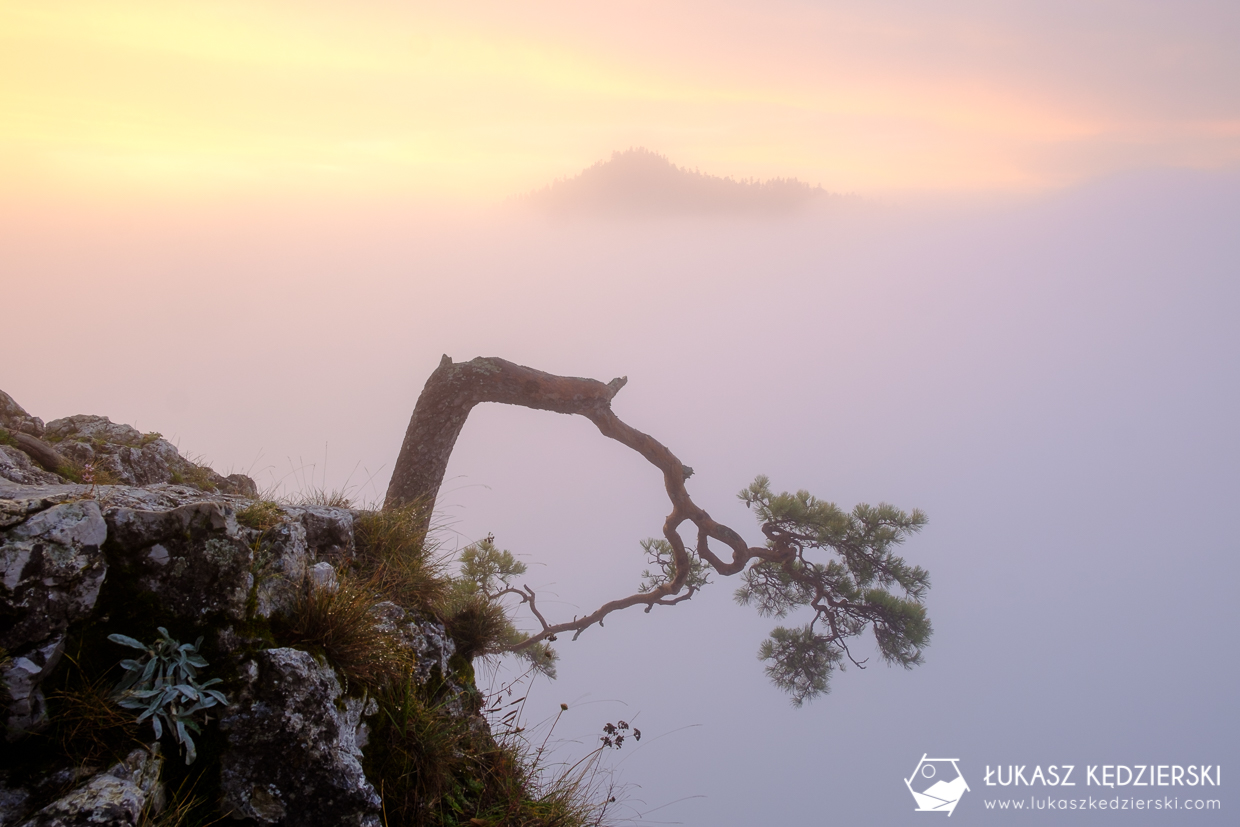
936,784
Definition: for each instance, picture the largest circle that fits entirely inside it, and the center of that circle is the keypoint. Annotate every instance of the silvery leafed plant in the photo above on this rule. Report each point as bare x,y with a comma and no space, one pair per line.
164,685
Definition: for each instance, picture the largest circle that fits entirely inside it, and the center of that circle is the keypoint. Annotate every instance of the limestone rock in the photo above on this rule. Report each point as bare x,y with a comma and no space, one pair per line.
115,798
51,568
13,417
15,465
125,453
293,754
428,638
43,455
329,531
115,453
129,457
285,559
323,576
27,708
192,557
14,802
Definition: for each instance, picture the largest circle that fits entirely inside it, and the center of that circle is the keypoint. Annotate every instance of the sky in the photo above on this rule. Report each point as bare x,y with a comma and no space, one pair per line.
255,228
479,101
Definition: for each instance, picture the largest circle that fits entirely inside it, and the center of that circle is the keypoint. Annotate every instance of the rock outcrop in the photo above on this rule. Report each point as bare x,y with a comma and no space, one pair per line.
82,562
291,710
51,567
127,456
14,417
16,466
85,448
118,797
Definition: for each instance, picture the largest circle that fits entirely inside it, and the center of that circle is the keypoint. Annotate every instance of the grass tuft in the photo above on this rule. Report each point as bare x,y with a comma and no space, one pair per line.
339,623
261,515
416,755
199,477
336,498
478,625
87,724
435,769
185,808
393,553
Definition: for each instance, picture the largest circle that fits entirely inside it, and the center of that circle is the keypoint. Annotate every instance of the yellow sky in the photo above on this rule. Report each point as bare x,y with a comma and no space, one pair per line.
428,100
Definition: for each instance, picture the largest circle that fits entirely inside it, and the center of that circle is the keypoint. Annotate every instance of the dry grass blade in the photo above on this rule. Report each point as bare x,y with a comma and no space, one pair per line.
89,726
185,808
394,553
478,625
339,622
335,498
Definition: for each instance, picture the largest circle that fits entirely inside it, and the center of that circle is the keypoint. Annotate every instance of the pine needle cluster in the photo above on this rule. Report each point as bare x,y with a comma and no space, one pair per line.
862,584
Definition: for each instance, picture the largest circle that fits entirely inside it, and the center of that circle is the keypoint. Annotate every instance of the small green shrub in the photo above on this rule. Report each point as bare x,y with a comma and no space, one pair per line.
476,618
261,515
488,568
478,625
200,477
164,685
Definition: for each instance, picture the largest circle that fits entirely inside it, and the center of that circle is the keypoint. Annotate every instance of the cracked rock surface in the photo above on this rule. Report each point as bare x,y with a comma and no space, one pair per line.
79,561
294,754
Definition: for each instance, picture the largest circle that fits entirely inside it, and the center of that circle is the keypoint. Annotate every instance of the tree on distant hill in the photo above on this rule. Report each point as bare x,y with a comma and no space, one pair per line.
639,181
838,567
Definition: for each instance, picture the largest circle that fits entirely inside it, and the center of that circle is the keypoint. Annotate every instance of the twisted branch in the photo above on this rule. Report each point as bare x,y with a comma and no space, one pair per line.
454,389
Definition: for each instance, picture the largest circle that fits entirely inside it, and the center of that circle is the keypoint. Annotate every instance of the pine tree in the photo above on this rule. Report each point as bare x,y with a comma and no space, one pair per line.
839,568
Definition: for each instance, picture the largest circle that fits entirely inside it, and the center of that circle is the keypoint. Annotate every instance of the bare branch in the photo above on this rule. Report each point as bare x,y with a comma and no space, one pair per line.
849,595
454,389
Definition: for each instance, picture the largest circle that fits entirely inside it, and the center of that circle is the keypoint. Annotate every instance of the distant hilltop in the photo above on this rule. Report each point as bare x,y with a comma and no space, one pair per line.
642,182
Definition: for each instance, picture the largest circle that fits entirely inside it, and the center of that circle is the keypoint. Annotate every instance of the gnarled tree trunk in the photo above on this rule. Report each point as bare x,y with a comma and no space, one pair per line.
451,393
858,588
454,389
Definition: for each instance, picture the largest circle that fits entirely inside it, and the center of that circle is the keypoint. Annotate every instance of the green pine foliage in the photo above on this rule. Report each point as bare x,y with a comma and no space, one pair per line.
842,566
489,568
659,555
476,618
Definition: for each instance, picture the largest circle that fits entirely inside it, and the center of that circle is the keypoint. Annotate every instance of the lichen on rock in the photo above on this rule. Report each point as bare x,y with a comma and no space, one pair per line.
13,417
293,747
118,797
51,568
81,563
191,556
129,457
16,465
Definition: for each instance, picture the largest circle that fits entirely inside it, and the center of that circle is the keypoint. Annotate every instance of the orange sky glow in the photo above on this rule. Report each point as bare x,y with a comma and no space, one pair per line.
428,101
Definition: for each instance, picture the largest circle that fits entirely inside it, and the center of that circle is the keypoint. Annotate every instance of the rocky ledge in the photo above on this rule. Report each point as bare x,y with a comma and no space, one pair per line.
108,535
